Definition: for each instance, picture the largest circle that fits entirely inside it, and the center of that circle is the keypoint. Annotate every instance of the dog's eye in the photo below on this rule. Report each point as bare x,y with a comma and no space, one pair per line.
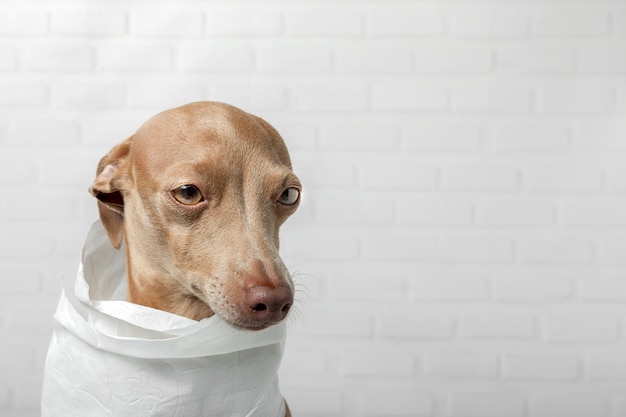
188,195
290,196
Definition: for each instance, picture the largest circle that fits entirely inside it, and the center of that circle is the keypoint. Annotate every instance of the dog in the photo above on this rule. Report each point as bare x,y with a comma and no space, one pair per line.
196,198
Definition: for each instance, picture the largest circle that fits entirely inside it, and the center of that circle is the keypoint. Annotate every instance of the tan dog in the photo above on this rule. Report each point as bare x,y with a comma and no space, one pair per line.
198,194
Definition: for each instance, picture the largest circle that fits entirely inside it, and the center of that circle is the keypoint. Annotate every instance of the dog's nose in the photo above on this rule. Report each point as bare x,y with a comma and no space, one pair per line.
268,305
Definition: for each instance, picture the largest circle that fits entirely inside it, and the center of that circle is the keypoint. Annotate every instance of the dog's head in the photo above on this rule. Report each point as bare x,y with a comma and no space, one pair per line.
198,194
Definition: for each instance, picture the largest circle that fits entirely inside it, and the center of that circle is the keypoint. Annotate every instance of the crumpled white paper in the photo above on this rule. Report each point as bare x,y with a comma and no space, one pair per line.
109,357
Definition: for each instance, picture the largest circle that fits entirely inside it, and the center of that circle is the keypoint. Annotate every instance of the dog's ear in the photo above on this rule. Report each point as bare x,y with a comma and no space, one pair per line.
109,187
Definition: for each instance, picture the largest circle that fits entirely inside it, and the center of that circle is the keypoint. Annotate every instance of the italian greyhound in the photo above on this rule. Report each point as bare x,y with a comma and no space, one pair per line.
198,195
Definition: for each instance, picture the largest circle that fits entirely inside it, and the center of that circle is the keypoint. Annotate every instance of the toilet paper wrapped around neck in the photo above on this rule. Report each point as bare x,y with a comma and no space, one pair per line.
109,357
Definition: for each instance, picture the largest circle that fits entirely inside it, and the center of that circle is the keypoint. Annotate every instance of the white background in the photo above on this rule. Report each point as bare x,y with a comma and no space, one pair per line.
461,249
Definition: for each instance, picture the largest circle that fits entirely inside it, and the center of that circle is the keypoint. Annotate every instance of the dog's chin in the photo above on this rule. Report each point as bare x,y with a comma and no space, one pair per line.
242,324
251,327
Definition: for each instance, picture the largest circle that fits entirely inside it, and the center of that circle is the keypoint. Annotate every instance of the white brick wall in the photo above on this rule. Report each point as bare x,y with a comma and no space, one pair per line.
461,248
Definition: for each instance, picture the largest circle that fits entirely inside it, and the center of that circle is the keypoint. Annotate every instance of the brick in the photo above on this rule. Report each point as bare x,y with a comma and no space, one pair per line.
238,22
603,59
529,138
160,96
476,248
402,97
462,365
69,171
571,405
427,326
399,176
449,287
43,132
355,211
59,206
620,406
399,21
293,363
515,212
487,405
108,131
374,60
368,286
612,250
89,96
596,212
70,241
454,60
8,59
443,138
382,403
604,288
498,325
540,367
560,177
66,58
574,21
434,211
577,328
555,250
3,132
317,401
398,247
299,135
299,59
144,58
23,22
324,22
534,287
616,179
330,97
14,357
326,174
536,59
606,367
327,323
22,281
361,136
216,58
619,22
5,396
254,97
323,247
488,23
491,98
163,22
621,99
17,171
378,363
481,177
576,98
28,395
23,95
90,22
602,136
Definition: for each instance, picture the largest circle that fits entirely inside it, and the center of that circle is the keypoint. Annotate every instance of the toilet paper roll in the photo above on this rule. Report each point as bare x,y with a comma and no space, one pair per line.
109,357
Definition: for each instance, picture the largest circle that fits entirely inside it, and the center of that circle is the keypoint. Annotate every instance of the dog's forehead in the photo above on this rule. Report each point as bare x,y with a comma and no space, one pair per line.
207,139
204,127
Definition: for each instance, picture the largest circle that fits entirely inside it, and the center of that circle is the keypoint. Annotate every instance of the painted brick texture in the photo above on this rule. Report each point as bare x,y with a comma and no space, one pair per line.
461,246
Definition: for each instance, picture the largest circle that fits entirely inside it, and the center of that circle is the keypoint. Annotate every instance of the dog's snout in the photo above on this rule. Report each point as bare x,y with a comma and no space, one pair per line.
268,305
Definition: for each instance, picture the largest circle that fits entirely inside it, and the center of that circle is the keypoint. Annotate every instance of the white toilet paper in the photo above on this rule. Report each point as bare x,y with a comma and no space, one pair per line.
109,357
